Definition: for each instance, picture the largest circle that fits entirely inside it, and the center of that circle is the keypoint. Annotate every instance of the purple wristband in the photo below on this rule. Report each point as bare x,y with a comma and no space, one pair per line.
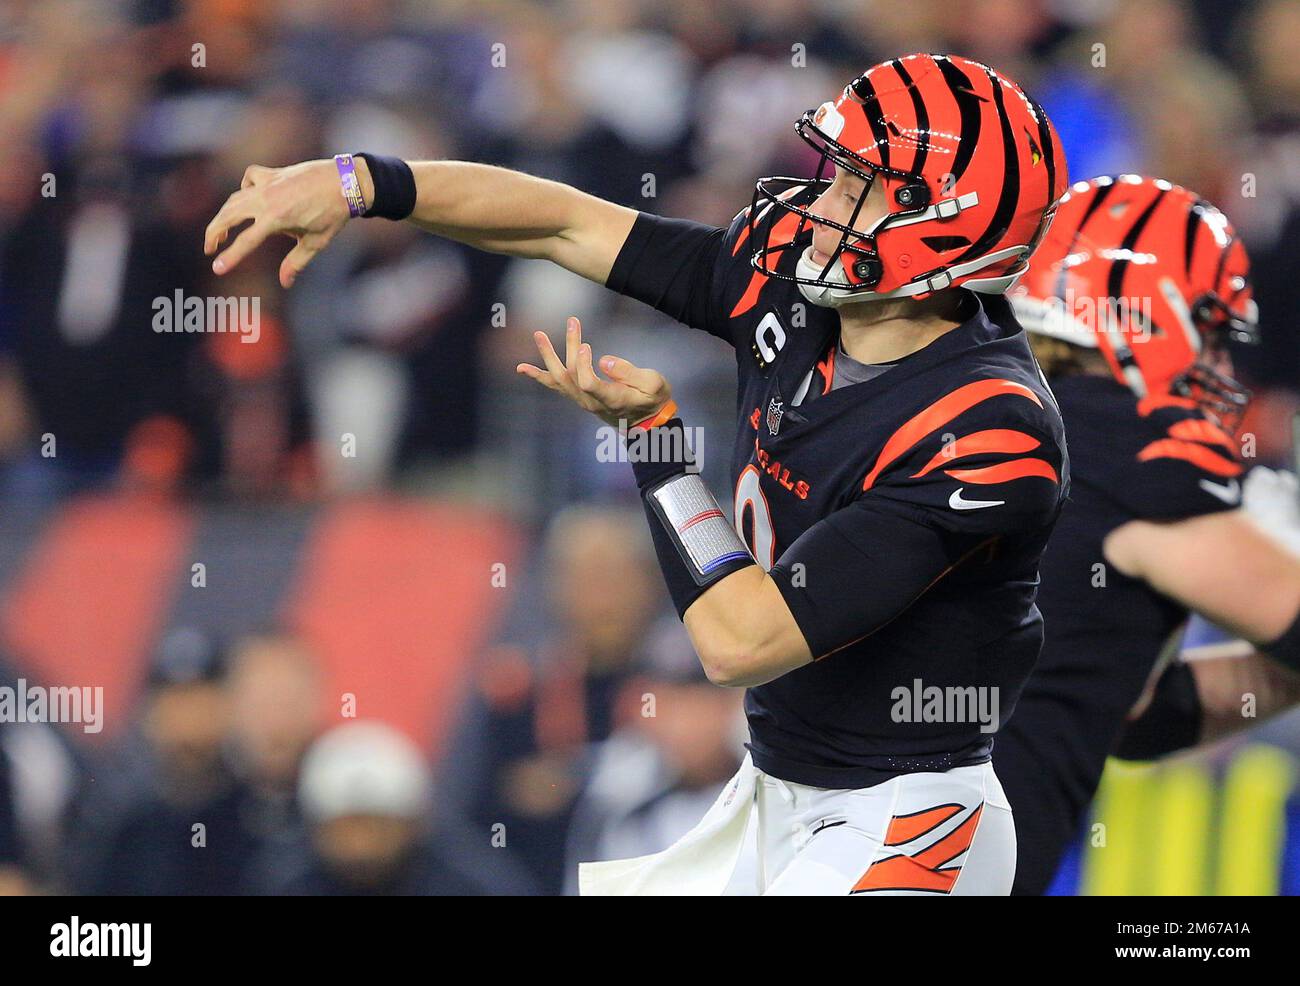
351,185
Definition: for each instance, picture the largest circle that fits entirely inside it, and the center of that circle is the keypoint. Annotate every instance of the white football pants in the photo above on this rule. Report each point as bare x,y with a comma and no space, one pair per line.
914,835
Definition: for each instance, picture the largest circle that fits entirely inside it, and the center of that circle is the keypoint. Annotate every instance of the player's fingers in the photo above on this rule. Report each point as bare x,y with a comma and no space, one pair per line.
244,244
300,256
237,209
617,368
538,374
550,357
602,390
572,343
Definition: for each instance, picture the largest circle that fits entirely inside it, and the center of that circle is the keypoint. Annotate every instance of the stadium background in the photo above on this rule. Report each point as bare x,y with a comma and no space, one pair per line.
466,576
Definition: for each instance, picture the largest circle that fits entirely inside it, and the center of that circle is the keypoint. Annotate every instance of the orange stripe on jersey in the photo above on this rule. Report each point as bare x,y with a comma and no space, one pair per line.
1156,401
740,240
781,236
905,828
1199,455
750,298
939,414
1200,430
1005,472
826,368
994,440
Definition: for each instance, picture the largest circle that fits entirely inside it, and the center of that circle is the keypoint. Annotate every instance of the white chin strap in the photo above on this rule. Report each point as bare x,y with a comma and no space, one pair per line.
835,296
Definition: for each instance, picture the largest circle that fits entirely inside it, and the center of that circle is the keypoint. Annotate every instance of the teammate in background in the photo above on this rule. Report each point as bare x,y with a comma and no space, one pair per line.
899,460
1132,298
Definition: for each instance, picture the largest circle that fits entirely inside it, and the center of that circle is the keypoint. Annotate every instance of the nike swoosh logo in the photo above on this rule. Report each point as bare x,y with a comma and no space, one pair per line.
1229,492
958,503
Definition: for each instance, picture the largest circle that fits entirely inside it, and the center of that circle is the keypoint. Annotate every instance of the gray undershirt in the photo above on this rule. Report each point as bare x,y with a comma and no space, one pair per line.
849,371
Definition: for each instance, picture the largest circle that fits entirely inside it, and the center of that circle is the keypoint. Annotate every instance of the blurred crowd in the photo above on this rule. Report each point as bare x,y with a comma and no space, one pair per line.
587,729
598,736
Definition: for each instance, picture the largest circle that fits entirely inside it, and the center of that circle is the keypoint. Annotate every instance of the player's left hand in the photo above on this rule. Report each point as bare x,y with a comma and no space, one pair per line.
631,393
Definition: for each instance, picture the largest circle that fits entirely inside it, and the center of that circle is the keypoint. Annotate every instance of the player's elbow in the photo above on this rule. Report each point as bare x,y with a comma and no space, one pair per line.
739,662
726,649
741,644
728,667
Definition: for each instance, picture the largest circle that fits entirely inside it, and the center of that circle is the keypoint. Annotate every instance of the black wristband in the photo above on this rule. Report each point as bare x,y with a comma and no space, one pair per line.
394,187
658,453
1172,721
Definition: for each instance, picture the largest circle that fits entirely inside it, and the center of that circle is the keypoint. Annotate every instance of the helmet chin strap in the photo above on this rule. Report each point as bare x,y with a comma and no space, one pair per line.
823,295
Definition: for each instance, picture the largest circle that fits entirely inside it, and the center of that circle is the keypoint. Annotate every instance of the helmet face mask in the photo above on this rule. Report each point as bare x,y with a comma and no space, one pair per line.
903,124
1207,381
1216,393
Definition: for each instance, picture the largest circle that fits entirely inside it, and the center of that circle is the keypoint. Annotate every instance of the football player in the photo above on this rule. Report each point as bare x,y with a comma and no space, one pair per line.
1133,298
898,461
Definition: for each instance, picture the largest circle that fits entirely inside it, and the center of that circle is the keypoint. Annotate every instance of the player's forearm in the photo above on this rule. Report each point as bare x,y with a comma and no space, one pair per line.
1218,565
1237,693
743,631
504,211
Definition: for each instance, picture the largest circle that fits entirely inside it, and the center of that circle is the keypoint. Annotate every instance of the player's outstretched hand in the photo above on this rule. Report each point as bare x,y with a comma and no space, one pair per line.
631,393
303,201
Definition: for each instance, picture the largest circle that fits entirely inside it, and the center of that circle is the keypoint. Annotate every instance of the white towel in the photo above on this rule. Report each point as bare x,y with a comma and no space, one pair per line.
699,864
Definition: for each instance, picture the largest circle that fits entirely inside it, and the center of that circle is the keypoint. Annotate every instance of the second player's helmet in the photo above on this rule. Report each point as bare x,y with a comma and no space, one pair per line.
1152,276
972,167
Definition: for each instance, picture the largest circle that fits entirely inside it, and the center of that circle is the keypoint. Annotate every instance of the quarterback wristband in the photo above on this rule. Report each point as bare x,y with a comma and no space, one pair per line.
660,417
693,540
394,187
351,186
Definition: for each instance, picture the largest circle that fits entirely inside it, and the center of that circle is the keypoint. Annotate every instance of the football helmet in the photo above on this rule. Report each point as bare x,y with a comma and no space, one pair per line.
1152,276
972,168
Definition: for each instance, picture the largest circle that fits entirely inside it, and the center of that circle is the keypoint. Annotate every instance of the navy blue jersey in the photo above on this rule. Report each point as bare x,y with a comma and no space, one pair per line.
1105,631
955,452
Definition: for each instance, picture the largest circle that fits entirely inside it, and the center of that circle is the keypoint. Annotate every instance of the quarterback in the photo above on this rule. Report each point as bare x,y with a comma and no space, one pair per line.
898,459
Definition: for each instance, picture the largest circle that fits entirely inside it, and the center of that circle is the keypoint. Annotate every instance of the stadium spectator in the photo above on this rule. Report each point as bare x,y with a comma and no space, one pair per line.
366,793
162,816
276,710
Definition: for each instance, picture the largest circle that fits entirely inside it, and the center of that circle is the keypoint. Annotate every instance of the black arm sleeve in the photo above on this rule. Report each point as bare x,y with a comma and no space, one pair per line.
669,264
1170,723
853,572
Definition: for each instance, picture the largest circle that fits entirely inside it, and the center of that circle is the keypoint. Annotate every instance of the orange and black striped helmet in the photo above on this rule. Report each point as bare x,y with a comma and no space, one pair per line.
974,167
1152,276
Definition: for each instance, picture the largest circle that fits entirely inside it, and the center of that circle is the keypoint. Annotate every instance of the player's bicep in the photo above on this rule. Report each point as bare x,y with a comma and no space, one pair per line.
853,572
1219,565
591,243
